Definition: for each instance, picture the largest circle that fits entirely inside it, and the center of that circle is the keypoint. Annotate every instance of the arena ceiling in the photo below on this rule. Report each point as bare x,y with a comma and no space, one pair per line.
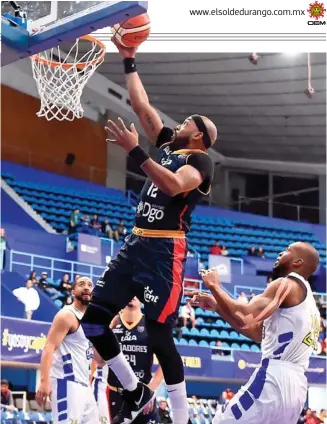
262,111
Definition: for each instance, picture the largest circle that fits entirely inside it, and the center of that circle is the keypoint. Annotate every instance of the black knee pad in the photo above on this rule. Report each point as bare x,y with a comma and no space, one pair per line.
162,342
95,324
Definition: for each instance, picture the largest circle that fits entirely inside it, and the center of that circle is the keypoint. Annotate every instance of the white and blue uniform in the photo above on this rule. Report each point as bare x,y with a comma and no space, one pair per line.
277,390
100,392
72,398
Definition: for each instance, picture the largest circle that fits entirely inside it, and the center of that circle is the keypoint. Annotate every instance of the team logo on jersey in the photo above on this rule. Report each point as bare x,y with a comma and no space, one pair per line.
149,297
140,328
128,337
89,352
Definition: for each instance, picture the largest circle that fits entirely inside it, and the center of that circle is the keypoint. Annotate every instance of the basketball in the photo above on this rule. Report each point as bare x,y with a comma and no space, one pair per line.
133,32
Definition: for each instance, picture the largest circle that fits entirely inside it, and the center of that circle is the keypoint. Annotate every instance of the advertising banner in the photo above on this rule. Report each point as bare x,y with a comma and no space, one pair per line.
223,266
89,249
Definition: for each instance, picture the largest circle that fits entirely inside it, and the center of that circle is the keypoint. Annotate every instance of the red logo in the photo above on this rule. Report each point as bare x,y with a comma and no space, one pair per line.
316,10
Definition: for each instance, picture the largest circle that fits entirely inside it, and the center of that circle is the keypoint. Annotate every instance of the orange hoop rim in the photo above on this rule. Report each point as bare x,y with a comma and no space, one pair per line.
82,65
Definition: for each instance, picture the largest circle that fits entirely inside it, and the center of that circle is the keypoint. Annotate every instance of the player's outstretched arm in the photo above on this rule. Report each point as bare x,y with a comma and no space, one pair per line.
260,308
208,302
187,178
64,321
148,116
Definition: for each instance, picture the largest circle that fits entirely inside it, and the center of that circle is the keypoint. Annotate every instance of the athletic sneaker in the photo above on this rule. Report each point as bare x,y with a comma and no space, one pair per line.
133,403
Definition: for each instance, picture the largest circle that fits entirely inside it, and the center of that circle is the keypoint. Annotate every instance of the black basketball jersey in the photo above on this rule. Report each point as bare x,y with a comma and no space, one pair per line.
133,341
158,211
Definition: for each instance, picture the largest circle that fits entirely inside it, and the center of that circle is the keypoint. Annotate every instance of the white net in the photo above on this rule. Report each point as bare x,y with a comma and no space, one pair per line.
60,78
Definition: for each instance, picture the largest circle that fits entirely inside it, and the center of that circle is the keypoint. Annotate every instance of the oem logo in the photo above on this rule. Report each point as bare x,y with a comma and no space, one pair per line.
316,11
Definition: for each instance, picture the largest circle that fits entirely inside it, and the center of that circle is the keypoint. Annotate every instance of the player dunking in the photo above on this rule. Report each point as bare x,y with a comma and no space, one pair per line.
285,319
65,363
150,265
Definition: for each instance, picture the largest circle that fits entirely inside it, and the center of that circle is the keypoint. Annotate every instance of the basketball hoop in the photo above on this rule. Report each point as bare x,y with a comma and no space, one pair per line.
61,77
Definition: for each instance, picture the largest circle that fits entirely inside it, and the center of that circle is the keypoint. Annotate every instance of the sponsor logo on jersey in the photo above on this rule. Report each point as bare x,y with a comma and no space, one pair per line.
150,212
128,337
149,297
140,374
165,162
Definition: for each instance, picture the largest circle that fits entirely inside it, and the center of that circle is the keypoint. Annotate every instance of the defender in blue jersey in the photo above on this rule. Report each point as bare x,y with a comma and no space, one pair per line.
150,265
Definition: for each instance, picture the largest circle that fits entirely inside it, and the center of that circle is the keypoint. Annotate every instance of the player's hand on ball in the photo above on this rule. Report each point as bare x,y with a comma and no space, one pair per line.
119,134
124,52
202,300
210,278
43,393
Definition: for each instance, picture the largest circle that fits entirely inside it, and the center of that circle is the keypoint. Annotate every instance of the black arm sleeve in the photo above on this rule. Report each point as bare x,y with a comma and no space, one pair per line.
204,164
164,136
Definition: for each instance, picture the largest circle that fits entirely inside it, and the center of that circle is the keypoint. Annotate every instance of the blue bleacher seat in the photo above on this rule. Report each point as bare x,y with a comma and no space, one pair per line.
245,347
255,348
204,332
224,334
234,335
194,332
204,343
183,341
192,342
214,334
235,346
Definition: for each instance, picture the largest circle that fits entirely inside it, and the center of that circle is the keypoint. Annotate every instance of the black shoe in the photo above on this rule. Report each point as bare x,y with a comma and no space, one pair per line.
133,404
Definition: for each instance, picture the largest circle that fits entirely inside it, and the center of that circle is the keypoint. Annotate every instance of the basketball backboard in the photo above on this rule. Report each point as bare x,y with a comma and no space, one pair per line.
58,21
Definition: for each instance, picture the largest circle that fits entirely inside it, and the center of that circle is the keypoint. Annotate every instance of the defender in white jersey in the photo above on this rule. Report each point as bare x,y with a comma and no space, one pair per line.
65,363
285,319
99,386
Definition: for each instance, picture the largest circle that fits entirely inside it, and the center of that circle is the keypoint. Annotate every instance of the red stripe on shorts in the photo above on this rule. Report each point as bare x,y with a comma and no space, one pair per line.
171,304
108,400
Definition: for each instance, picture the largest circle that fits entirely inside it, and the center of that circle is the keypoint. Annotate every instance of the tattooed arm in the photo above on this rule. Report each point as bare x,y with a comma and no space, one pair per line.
148,116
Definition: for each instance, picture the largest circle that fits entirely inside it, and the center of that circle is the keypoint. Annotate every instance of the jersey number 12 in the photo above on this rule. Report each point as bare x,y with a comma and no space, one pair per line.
152,191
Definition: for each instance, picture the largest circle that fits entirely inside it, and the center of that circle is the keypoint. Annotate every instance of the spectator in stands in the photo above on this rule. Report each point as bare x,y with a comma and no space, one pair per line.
215,249
187,313
95,224
30,297
43,283
65,286
224,251
73,221
7,399
68,301
323,416
122,230
252,251
33,278
321,306
323,347
3,246
251,296
190,254
227,395
242,298
315,416
220,351
164,413
107,229
260,252
85,223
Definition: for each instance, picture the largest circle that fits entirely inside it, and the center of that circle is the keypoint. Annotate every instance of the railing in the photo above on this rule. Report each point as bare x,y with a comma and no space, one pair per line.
49,264
24,399
255,290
